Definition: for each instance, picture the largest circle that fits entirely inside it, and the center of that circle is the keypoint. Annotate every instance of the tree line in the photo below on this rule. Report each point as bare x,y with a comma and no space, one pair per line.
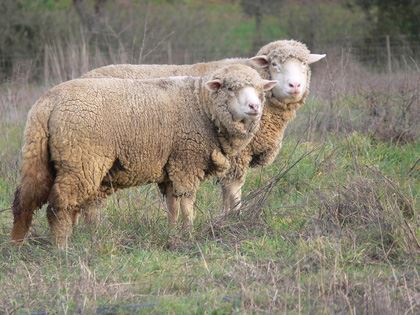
192,30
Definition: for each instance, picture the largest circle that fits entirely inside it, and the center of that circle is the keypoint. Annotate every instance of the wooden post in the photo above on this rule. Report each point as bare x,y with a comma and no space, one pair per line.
388,52
170,52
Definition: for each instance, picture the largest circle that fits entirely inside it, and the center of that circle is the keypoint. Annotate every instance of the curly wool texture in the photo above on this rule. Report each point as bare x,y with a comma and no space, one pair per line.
87,137
129,71
281,50
266,144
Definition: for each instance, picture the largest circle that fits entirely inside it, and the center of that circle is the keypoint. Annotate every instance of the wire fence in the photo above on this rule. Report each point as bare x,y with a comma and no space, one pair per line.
70,60
388,53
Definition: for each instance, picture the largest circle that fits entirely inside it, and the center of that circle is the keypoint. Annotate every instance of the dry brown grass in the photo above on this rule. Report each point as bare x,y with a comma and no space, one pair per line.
369,211
351,98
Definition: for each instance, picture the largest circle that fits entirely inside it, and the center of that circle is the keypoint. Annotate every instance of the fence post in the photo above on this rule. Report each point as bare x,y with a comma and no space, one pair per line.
170,52
46,66
388,52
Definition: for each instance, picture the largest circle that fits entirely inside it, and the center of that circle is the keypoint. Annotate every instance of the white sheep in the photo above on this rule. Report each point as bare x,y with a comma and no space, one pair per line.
286,61
86,138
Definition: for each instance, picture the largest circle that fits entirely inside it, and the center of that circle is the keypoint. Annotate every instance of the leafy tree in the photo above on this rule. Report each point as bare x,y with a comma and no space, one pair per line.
392,17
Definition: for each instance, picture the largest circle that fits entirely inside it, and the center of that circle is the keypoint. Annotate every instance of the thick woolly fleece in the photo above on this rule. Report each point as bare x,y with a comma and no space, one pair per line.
266,144
129,71
89,137
281,50
264,147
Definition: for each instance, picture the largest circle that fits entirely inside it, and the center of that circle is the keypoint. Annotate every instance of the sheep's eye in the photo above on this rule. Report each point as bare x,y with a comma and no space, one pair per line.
230,89
274,64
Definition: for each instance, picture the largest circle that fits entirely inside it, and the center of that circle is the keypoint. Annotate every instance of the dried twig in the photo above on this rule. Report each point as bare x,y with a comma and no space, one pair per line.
252,206
4,210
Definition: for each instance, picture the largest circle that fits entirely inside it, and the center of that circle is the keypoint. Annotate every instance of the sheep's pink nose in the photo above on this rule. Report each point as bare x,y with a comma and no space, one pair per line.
294,85
294,88
254,106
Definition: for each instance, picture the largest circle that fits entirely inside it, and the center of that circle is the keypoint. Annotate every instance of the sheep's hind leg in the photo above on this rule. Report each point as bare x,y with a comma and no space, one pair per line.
70,193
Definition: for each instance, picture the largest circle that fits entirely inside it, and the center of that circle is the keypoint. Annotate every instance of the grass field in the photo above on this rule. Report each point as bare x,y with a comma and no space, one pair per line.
331,227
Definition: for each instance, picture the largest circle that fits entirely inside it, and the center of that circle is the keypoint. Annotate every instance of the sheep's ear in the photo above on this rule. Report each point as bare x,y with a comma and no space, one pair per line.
315,57
269,84
260,61
213,85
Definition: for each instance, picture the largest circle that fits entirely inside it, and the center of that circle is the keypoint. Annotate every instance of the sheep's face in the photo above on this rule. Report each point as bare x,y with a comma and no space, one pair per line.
244,103
292,76
291,73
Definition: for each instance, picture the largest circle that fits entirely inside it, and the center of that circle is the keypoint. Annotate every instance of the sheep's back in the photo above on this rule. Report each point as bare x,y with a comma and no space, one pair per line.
130,71
135,123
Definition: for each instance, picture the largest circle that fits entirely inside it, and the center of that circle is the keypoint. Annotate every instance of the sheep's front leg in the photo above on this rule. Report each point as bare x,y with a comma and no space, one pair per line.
172,203
232,193
184,191
187,208
221,163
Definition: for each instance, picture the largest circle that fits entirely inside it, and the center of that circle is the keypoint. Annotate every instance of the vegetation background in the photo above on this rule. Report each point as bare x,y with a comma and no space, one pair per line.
331,227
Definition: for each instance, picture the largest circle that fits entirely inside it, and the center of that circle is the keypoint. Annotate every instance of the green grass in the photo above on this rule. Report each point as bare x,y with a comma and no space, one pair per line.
278,264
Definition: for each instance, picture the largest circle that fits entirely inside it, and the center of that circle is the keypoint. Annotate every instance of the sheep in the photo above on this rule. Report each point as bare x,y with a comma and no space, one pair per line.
86,138
286,61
